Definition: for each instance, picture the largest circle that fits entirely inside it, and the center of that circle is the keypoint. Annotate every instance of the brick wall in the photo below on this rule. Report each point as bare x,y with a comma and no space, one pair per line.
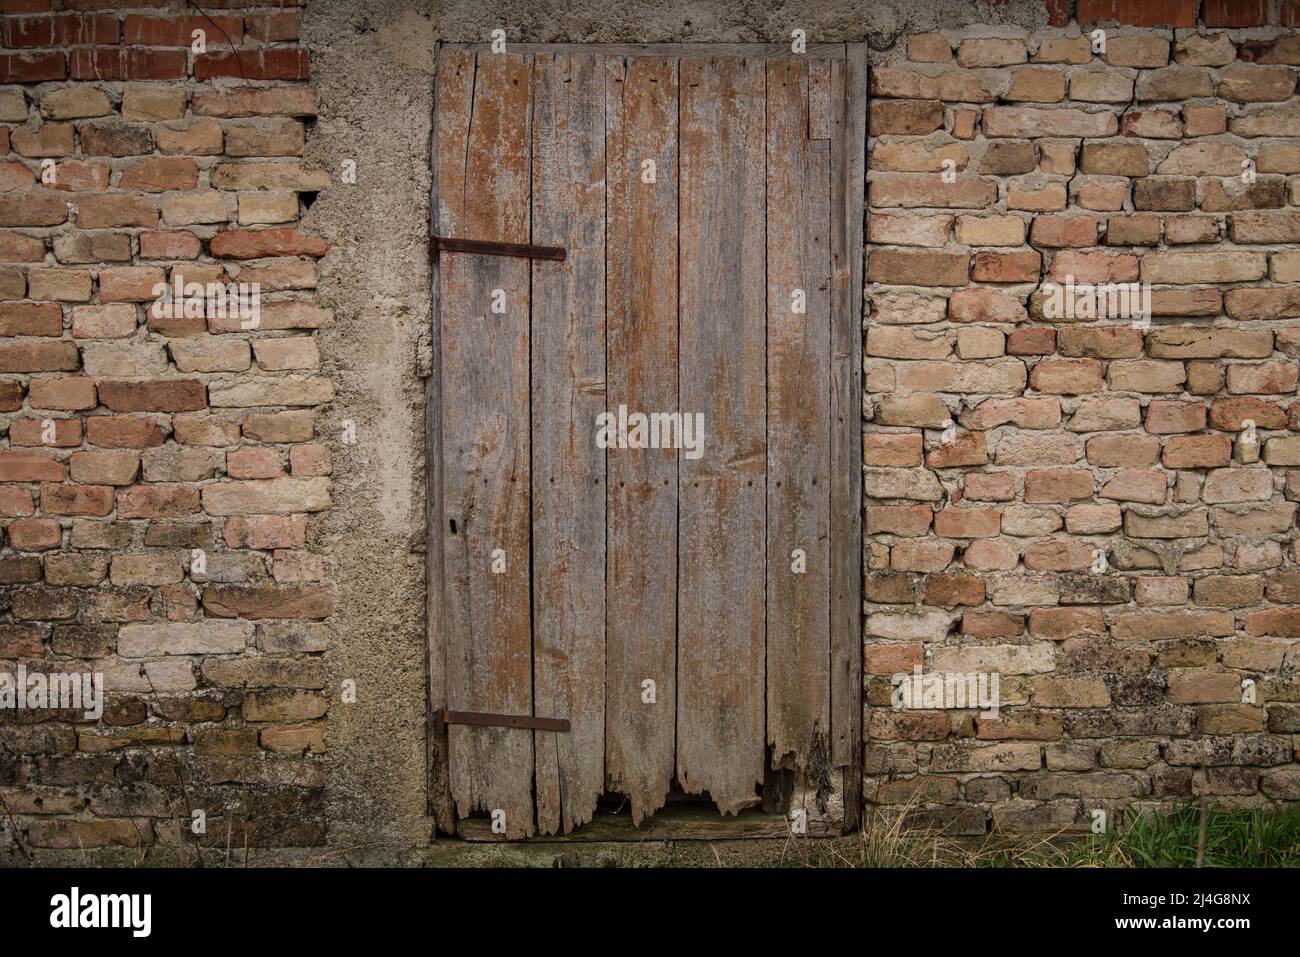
1075,502
1004,450
160,476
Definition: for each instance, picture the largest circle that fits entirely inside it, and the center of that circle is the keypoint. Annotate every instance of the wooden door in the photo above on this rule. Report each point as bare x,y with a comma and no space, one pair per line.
691,605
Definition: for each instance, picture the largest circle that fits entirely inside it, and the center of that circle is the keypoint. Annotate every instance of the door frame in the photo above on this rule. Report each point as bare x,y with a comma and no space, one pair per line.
847,325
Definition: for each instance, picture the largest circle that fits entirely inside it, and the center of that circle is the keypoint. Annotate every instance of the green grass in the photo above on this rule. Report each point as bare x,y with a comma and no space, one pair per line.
1241,838
1233,838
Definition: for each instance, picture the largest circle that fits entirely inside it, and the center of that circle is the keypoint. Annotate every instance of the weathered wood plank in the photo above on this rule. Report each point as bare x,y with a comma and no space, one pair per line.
682,823
821,118
722,495
798,423
568,469
848,147
483,148
778,789
438,757
641,646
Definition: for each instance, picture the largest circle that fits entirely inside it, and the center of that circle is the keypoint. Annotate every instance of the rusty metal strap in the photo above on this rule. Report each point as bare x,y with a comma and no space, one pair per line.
489,247
483,719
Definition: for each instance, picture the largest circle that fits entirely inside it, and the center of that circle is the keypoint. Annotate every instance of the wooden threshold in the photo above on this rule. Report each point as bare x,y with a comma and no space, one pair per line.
688,822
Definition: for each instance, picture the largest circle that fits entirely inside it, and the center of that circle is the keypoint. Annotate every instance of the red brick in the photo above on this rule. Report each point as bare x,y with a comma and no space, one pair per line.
14,176
38,357
76,499
1136,485
178,31
966,450
170,245
882,659
15,502
61,30
1139,13
886,449
989,487
74,176
112,63
260,462
273,64
1231,414
1067,376
1031,342
1063,231
32,209
280,27
1022,266
1058,624
160,175
133,5
129,283
1058,485
1059,555
968,522
265,531
992,624
123,432
1122,451
32,67
240,102
67,394
163,395
985,304
905,117
1166,416
115,209
1235,13
1274,622
11,396
1058,12
16,248
116,139
31,432
265,601
948,591
157,501
31,319
258,243
35,534
1197,451
23,569
104,468
1094,267
30,467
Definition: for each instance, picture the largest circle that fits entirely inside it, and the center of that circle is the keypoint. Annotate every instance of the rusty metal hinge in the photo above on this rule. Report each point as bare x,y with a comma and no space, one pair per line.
444,716
489,247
